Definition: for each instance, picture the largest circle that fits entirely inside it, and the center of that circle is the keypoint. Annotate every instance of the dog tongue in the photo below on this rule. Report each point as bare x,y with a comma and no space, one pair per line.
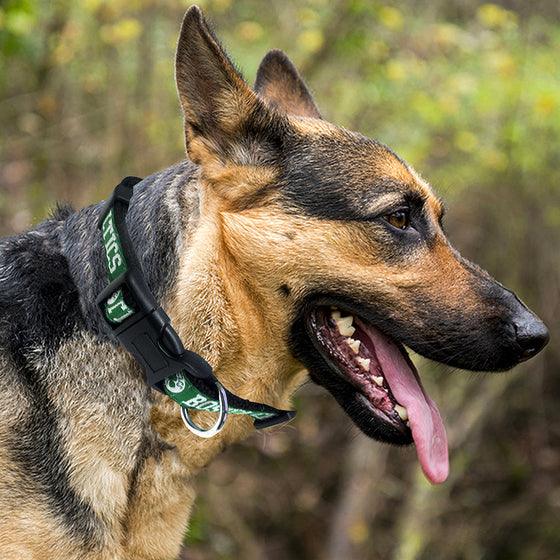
425,421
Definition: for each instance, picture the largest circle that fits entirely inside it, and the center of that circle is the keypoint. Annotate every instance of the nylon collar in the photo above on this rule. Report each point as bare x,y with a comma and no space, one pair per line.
143,328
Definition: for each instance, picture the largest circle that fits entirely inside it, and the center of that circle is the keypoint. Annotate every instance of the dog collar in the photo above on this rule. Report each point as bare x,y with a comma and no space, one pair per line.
143,328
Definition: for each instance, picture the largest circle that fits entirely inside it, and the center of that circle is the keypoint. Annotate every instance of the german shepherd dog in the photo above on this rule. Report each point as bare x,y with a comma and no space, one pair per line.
283,247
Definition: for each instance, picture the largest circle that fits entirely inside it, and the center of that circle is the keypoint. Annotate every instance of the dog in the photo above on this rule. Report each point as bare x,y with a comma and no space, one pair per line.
283,247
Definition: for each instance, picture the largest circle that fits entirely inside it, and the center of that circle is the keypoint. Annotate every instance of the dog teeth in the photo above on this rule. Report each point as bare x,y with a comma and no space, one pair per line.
345,325
378,380
354,344
364,362
402,412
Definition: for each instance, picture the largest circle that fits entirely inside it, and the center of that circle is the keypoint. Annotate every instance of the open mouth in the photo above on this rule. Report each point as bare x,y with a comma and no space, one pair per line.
375,381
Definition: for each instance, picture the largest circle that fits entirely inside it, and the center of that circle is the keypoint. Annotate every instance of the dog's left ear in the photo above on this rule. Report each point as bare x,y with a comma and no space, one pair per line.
279,82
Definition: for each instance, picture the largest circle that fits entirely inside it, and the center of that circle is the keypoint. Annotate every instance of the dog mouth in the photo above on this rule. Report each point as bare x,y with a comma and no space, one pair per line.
374,380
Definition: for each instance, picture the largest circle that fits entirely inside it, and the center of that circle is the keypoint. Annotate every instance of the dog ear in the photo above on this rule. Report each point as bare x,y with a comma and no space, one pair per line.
223,117
279,82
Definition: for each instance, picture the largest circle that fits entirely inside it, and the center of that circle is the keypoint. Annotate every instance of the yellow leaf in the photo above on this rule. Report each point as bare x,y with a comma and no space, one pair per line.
358,532
503,63
449,104
48,104
466,141
396,71
249,31
221,5
91,6
123,31
311,40
446,34
378,50
62,53
390,18
494,16
494,159
308,17
546,105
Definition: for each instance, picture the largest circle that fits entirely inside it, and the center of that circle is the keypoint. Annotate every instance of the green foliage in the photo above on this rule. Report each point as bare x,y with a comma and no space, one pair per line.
17,21
465,91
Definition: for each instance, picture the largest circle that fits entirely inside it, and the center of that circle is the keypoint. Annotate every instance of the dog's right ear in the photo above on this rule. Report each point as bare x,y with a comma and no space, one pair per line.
279,82
222,114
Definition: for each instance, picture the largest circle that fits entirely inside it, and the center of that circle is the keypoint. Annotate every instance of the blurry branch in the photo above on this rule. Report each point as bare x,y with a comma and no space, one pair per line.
53,27
143,89
363,471
225,514
416,526
337,25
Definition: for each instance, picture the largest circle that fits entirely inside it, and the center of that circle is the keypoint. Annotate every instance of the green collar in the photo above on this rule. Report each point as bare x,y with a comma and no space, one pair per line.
144,329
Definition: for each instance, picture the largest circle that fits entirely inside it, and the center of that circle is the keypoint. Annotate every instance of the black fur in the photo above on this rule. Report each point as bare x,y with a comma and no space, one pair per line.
39,302
325,176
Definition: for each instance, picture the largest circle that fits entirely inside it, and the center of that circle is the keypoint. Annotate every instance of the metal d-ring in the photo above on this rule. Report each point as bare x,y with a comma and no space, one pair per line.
217,427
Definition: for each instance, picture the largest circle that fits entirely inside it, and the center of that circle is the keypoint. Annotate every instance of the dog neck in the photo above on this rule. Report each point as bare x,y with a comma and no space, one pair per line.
220,313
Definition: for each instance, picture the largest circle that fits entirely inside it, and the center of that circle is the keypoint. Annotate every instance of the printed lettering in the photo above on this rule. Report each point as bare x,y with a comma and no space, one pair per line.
118,305
113,247
210,406
114,298
114,262
108,225
195,401
262,415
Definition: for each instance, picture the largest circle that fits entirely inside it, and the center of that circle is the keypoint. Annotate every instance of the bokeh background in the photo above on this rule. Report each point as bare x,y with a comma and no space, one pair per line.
468,92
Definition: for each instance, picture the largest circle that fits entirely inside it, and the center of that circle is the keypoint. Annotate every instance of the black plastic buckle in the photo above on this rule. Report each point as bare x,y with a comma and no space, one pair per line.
151,339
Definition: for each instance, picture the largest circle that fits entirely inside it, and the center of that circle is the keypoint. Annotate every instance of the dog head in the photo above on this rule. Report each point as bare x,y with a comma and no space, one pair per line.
338,244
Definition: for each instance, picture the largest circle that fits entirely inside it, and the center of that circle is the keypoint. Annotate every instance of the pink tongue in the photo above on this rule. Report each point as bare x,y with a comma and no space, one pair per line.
425,421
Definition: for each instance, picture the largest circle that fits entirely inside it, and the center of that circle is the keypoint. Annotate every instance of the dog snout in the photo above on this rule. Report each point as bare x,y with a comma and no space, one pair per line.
531,334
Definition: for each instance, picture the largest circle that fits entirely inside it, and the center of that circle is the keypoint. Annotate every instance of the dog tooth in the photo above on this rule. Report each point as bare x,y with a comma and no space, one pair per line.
402,412
345,325
364,362
335,314
354,344
378,380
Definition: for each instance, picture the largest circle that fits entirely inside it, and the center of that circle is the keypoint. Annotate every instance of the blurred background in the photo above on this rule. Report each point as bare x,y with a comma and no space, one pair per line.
467,92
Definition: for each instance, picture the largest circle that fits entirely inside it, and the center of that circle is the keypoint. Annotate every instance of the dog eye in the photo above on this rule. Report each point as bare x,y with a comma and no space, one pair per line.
399,219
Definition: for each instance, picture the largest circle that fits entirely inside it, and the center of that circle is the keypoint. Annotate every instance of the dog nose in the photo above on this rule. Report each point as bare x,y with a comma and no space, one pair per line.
532,335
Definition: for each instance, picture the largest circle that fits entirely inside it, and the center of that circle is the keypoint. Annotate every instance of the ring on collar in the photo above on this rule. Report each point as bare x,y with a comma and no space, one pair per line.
217,427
